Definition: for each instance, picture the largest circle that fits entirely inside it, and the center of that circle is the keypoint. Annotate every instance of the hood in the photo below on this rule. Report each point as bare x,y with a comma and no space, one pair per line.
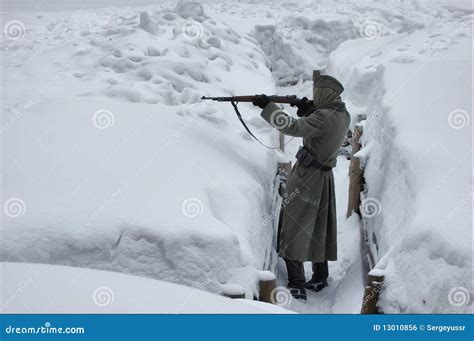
324,96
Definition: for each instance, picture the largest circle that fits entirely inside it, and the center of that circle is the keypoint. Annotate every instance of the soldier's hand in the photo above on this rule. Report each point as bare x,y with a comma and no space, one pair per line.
303,106
261,101
301,103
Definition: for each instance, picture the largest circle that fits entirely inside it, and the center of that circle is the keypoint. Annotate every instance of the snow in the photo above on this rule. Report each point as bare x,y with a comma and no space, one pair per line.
111,161
53,289
266,276
416,150
118,164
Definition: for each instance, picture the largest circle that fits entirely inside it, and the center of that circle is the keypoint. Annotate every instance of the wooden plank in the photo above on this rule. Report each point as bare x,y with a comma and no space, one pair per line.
284,170
355,175
375,285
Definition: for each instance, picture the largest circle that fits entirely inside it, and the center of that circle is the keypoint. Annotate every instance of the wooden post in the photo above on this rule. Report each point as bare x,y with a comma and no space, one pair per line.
375,284
267,287
234,295
271,262
355,174
267,282
281,139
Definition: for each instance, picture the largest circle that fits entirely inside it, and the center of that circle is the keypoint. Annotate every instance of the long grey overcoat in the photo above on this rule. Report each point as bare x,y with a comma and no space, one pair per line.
309,226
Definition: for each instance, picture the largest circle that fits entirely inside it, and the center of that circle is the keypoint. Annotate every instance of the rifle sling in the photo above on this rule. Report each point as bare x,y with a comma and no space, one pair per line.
334,106
239,116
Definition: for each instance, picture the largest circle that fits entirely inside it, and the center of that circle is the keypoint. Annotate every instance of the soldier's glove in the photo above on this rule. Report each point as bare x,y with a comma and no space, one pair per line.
303,106
261,101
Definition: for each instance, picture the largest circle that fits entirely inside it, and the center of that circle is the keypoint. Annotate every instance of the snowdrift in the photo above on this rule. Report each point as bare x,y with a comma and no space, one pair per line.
114,163
48,289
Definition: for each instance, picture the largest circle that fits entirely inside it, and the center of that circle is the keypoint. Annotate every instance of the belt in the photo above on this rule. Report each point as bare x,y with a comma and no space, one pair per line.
308,160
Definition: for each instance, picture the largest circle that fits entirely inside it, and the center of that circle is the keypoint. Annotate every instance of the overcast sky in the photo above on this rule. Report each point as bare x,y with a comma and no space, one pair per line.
60,5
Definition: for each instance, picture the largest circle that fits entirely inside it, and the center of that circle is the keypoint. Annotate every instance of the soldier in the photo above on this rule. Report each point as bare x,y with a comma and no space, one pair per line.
309,227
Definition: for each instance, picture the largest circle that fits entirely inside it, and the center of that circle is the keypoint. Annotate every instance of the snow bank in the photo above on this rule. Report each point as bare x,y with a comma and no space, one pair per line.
303,45
113,161
415,91
144,196
302,40
61,289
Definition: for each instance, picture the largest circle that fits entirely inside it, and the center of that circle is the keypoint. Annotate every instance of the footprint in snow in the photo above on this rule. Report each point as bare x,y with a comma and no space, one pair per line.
136,59
169,16
403,59
145,74
152,52
376,55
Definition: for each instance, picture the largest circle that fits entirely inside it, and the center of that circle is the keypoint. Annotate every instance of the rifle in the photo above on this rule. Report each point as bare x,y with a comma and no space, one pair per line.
234,100
291,99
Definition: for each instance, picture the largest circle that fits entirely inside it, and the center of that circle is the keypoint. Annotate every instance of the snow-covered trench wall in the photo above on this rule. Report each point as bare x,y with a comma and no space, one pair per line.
407,76
400,67
415,92
111,161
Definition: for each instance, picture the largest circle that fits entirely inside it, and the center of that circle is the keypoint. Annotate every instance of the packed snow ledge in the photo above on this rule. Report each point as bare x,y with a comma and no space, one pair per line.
38,288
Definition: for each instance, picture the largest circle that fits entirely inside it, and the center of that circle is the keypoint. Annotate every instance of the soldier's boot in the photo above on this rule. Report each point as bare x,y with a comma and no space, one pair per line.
316,284
296,279
320,274
298,293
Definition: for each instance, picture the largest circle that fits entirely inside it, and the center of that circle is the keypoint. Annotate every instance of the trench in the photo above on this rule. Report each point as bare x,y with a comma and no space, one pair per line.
348,275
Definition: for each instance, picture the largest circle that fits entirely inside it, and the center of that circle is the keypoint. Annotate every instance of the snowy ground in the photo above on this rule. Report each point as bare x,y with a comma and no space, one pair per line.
110,161
46,289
